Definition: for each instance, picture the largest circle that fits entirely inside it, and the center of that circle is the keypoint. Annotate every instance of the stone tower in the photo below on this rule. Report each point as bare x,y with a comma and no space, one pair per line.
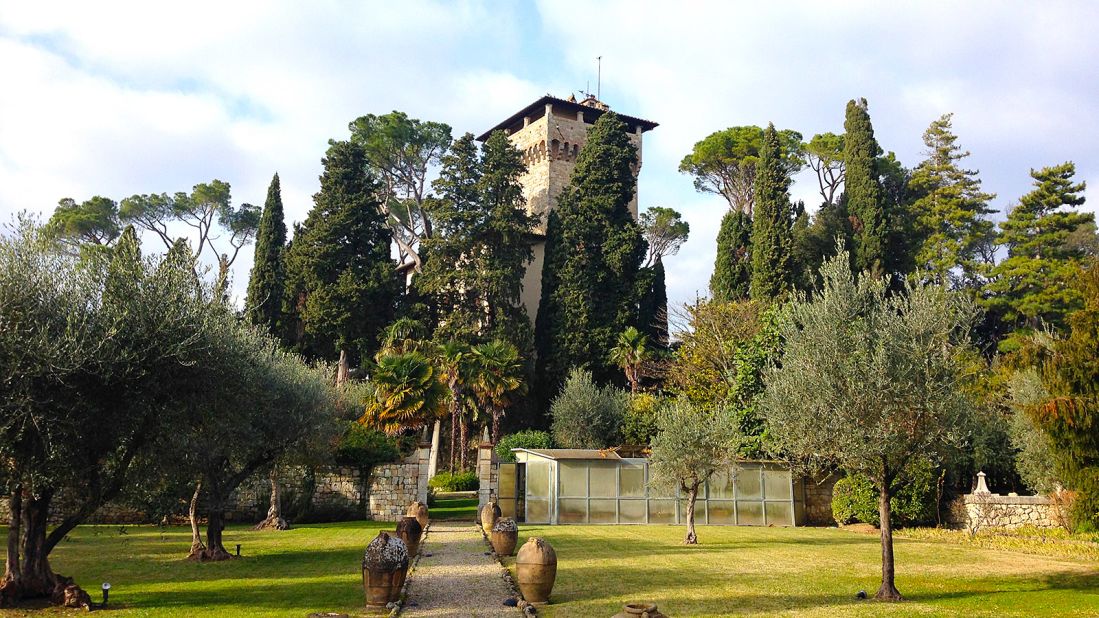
550,132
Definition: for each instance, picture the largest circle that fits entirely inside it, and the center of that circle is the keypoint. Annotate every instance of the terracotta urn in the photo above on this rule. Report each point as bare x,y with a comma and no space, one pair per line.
489,514
536,567
410,531
385,565
418,510
504,536
639,610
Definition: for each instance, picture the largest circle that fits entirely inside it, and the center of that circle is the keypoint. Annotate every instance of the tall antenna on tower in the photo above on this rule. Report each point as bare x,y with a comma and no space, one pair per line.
599,76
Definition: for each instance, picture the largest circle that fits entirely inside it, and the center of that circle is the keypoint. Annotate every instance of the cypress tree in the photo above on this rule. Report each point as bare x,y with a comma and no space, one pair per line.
593,251
1033,285
340,265
263,305
733,267
652,313
863,188
772,241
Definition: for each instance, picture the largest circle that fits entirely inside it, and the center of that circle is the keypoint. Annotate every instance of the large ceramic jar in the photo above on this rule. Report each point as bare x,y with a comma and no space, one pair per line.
504,536
536,567
489,514
639,610
409,531
418,510
385,565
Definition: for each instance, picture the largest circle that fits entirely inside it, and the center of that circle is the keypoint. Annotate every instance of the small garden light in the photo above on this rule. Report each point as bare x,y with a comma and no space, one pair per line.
106,587
238,550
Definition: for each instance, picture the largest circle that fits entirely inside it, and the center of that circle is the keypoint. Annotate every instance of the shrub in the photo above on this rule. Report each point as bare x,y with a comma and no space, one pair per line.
528,438
855,499
454,481
362,447
586,415
639,424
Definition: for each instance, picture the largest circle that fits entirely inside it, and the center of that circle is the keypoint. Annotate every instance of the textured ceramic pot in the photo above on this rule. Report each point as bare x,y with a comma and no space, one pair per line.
536,567
385,565
639,610
489,514
418,510
504,536
410,531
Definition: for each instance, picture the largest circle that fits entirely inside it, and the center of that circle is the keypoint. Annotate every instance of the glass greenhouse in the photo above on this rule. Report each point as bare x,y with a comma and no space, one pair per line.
573,486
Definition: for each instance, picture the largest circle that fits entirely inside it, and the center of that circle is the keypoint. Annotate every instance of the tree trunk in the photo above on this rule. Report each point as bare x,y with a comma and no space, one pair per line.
692,495
27,574
197,547
453,436
274,519
888,591
215,524
463,442
496,414
343,370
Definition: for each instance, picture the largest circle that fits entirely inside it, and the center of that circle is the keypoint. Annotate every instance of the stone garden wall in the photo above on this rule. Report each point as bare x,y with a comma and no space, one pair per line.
817,498
978,511
308,495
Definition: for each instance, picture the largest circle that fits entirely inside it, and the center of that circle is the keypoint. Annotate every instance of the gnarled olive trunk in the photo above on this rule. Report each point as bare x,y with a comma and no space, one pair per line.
274,519
27,572
888,590
215,523
692,495
192,516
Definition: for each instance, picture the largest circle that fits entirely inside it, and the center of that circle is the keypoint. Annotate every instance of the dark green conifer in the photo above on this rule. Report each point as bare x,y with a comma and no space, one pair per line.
263,305
863,189
772,241
732,274
652,314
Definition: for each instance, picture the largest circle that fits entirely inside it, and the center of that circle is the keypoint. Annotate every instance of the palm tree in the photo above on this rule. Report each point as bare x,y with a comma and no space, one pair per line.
630,353
455,365
407,393
498,376
402,335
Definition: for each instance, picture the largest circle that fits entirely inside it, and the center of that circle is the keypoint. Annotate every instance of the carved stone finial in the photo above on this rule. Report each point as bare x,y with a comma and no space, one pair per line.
982,487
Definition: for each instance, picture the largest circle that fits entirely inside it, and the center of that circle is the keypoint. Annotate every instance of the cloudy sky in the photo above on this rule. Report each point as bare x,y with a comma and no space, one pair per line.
113,98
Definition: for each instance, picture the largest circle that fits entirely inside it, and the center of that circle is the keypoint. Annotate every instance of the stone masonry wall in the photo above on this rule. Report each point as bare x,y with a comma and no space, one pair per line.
333,494
978,511
818,501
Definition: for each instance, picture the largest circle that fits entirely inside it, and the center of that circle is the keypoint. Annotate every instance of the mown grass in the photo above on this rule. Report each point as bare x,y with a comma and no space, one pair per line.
803,572
455,509
734,572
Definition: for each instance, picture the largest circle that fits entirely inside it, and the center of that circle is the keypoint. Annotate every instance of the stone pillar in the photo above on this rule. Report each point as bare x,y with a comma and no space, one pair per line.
486,475
423,463
433,464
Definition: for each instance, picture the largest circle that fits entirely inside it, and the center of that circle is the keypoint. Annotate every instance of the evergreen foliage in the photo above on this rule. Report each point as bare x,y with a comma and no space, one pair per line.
1032,286
593,252
340,276
732,274
652,310
263,305
528,438
863,189
586,415
475,262
725,163
772,240
92,222
1070,416
950,212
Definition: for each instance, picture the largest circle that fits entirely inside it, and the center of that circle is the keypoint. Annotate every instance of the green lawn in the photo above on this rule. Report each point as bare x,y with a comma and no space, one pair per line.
460,509
803,572
736,571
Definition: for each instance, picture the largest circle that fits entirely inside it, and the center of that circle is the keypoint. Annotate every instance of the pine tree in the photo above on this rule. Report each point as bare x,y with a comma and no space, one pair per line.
863,188
1033,284
340,265
265,286
652,312
733,267
772,242
594,249
950,213
475,263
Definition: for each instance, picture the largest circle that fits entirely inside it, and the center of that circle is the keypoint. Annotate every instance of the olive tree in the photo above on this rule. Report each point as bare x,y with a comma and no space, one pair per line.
96,356
692,444
870,382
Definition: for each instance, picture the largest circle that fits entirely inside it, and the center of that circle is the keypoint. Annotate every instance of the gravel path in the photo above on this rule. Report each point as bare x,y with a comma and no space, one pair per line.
458,579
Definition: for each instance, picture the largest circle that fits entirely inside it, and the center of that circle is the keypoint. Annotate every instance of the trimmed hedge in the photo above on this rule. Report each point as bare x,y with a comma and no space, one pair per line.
528,438
454,481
